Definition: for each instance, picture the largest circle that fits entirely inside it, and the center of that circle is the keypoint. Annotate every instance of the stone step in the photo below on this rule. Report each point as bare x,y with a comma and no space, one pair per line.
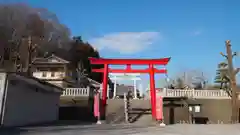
140,112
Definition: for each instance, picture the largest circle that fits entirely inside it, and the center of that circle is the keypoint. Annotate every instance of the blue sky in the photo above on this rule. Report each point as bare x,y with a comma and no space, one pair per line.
191,32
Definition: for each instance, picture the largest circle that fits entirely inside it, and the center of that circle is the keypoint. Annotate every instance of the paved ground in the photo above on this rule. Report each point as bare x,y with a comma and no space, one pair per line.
178,129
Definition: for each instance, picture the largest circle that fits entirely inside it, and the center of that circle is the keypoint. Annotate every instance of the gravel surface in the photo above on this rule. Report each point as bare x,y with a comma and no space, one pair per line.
123,129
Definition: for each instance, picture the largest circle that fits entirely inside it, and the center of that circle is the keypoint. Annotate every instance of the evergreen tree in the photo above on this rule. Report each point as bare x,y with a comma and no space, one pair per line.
222,76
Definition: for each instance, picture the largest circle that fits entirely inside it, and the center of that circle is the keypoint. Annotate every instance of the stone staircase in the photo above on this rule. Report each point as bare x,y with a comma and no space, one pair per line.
115,111
140,112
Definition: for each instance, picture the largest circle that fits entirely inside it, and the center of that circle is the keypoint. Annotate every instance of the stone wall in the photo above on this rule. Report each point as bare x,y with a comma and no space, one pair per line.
216,110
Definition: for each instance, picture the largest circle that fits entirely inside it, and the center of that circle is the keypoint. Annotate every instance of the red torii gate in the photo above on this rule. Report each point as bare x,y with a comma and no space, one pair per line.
128,62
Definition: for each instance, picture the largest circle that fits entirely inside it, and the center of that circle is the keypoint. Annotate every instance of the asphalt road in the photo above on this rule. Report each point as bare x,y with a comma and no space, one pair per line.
123,129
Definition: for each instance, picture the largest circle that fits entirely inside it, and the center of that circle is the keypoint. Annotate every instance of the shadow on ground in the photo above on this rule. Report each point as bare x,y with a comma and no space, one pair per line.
76,113
137,113
61,125
68,117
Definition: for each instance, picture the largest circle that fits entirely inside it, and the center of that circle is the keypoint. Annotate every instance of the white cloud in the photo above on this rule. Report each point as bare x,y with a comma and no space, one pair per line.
125,42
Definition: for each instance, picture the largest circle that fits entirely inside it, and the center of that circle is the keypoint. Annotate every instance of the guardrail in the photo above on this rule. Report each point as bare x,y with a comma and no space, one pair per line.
76,92
201,94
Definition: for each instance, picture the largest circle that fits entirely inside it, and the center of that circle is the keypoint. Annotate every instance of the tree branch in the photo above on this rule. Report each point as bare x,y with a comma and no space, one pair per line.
223,55
229,93
236,71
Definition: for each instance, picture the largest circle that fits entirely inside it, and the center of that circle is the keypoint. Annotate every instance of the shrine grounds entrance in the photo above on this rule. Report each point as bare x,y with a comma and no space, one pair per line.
151,70
127,76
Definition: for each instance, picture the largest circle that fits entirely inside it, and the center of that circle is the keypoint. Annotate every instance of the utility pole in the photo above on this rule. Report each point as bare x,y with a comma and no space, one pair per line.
232,77
29,55
31,50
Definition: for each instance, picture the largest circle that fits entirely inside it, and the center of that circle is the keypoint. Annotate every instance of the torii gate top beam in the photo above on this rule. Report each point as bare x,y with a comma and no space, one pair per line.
162,61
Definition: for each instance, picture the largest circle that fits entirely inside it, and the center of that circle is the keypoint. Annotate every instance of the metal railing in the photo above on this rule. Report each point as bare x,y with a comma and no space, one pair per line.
76,92
202,94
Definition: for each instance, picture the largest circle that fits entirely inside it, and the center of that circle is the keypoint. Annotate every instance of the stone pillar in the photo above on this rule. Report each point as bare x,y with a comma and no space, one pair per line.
135,88
141,90
115,87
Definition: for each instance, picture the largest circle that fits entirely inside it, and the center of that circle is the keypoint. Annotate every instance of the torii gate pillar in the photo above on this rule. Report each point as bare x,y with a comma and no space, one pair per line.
105,84
152,90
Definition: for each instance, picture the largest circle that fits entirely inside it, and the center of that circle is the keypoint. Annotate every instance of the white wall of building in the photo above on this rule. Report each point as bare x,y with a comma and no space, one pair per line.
48,75
2,88
25,105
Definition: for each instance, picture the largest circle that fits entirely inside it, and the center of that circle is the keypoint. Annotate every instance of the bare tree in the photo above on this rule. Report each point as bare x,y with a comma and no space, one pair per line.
19,22
191,79
26,33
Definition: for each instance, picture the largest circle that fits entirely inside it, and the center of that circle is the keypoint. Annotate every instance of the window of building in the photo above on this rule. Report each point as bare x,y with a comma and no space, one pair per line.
44,74
43,69
190,109
6,54
197,108
52,74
